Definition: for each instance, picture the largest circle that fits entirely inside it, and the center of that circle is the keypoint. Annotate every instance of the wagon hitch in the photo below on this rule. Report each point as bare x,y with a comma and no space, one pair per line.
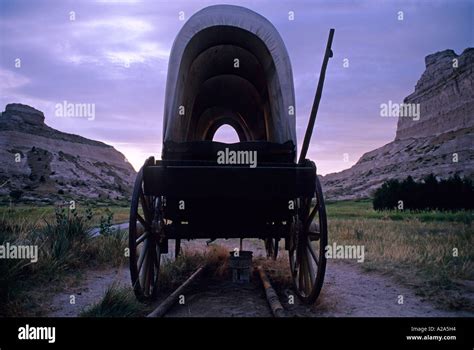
317,98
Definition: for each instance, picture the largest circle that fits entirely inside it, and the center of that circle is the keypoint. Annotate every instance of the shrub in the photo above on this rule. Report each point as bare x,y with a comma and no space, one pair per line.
118,301
63,240
12,271
105,226
453,193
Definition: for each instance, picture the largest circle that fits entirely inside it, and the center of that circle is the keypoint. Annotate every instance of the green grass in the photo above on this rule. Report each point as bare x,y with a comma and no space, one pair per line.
363,210
39,214
64,248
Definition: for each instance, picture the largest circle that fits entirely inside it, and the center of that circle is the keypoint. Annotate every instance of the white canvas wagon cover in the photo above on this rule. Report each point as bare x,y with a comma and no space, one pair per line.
229,65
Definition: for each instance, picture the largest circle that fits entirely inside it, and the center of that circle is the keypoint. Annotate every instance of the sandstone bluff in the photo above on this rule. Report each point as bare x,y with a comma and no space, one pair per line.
44,164
440,142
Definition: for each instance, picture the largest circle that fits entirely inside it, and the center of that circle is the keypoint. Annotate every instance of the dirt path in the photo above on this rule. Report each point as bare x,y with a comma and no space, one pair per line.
350,292
347,291
90,291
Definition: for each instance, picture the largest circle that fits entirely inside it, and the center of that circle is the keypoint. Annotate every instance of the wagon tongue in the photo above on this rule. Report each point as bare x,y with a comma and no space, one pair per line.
317,99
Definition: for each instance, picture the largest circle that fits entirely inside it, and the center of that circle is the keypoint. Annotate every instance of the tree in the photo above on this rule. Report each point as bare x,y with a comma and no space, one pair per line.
453,193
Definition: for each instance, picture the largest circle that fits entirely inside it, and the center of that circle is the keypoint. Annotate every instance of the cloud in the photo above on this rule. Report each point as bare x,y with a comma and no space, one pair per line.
112,29
119,1
115,55
12,80
142,52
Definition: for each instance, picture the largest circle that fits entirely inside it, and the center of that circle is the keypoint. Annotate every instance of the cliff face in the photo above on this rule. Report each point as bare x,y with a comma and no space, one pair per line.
440,142
46,164
445,94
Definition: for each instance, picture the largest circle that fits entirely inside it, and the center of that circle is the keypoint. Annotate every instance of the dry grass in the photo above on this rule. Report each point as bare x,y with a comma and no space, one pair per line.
175,272
419,254
278,270
119,301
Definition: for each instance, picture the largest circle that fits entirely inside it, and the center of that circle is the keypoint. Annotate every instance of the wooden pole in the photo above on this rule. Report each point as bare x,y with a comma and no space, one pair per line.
272,297
317,99
161,310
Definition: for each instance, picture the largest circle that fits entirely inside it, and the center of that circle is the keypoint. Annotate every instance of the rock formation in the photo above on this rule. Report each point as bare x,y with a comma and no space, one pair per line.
48,165
440,142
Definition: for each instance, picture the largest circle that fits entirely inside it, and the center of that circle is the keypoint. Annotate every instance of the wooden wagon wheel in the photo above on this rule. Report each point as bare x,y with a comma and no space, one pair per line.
307,247
144,233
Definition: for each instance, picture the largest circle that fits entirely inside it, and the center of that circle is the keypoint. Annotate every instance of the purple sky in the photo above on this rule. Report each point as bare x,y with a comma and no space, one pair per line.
115,55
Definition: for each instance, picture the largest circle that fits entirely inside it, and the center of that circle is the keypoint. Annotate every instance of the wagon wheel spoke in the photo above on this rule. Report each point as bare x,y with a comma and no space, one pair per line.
142,270
151,271
147,270
303,276
312,273
308,284
300,276
142,221
312,215
312,252
298,258
142,256
145,207
146,281
309,273
311,226
314,233
143,237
